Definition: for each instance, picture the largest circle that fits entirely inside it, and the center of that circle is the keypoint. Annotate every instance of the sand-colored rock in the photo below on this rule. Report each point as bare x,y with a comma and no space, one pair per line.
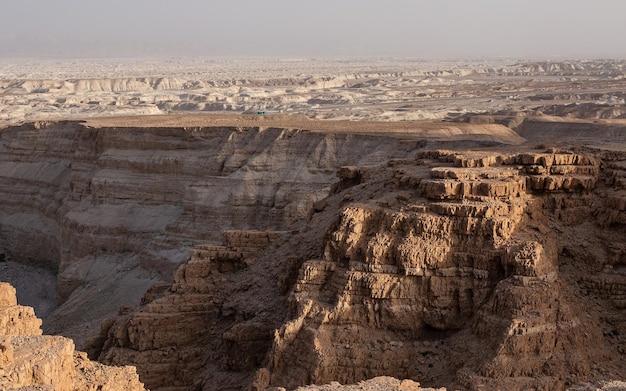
16,320
378,383
474,256
173,336
406,283
29,360
116,210
395,264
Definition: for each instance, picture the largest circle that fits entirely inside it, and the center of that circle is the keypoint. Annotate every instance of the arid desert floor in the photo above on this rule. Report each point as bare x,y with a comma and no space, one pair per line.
382,90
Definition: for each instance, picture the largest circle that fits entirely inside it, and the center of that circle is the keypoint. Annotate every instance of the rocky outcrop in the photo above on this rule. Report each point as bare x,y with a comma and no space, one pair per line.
117,209
468,256
392,384
29,360
193,321
424,262
379,383
406,266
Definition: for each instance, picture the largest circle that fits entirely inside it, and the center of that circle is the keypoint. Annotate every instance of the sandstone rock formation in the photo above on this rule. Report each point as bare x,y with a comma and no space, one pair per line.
424,262
472,245
193,321
437,241
29,360
389,383
116,210
379,383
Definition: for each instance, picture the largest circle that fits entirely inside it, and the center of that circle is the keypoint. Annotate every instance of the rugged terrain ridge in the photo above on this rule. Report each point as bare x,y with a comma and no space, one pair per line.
405,263
116,210
428,261
31,361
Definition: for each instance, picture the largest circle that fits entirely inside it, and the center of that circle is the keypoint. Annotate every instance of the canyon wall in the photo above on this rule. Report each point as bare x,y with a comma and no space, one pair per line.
116,209
405,263
470,270
466,260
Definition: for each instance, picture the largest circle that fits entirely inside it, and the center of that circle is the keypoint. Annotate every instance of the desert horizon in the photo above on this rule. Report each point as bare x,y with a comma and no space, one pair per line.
335,196
381,90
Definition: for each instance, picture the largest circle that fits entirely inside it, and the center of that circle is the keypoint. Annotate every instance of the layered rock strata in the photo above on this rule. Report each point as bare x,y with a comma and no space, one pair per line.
424,262
407,266
29,360
117,209
467,246
193,321
467,257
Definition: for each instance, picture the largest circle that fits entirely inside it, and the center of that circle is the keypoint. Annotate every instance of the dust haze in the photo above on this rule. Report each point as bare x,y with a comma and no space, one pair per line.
484,28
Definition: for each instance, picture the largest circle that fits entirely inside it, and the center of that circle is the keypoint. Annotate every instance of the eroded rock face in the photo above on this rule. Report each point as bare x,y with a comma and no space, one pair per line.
192,326
475,244
379,383
16,319
408,268
116,210
29,359
424,263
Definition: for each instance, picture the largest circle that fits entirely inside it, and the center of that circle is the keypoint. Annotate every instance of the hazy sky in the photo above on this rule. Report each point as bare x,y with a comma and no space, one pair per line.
408,28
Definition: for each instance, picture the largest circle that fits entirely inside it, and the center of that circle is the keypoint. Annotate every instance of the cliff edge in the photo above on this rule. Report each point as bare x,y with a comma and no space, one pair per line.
407,269
30,360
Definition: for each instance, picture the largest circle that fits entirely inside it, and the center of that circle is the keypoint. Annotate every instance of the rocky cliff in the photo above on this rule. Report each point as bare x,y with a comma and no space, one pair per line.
471,270
29,360
116,209
467,258
405,263
196,325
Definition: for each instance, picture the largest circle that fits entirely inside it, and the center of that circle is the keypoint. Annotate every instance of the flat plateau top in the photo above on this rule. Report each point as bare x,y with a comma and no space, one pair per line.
417,129
271,120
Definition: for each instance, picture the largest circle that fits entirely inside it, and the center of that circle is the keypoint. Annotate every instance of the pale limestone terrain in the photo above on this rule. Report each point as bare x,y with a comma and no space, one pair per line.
389,90
230,251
